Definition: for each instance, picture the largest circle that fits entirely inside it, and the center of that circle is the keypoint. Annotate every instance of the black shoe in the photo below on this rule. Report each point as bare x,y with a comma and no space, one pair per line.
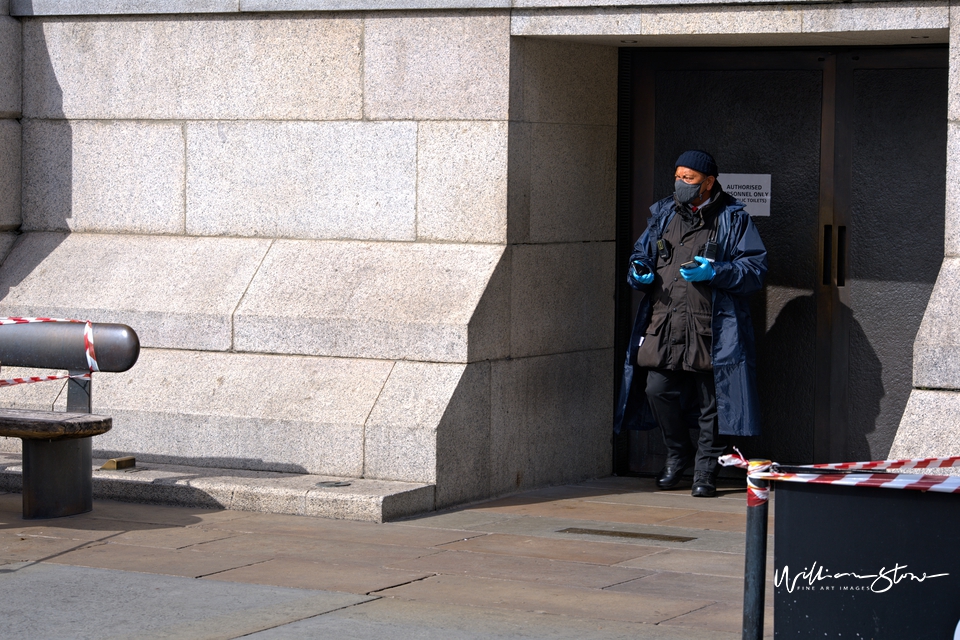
704,484
670,475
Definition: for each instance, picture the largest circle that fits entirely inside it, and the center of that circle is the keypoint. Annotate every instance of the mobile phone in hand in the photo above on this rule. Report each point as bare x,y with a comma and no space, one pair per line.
693,264
640,268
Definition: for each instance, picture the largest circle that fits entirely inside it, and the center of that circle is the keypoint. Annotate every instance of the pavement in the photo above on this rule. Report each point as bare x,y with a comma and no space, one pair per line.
605,559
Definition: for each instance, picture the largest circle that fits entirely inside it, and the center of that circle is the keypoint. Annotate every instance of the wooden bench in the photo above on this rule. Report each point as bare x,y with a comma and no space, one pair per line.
57,459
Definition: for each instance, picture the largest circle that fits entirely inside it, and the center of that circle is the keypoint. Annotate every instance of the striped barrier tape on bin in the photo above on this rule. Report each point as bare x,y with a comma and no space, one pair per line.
87,344
881,465
843,477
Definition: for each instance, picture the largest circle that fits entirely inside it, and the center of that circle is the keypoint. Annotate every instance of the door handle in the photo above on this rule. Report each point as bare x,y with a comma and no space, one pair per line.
841,256
827,268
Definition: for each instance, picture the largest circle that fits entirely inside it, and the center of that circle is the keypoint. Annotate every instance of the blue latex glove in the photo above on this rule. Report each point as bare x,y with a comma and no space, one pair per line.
646,278
703,272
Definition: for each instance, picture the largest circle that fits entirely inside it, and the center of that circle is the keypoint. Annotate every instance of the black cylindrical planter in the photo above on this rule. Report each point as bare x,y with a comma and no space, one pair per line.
57,477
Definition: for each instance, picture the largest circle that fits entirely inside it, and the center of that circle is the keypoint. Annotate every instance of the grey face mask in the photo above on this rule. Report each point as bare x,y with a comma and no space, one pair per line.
686,193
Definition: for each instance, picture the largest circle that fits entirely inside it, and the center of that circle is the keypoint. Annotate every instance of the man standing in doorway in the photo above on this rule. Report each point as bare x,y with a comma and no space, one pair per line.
697,262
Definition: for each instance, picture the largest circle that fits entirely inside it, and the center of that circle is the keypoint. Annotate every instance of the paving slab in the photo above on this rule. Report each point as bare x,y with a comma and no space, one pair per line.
527,596
721,617
466,519
350,531
402,620
732,502
169,562
570,550
702,539
491,570
572,574
585,510
351,577
299,547
711,563
130,512
711,520
17,548
686,585
100,604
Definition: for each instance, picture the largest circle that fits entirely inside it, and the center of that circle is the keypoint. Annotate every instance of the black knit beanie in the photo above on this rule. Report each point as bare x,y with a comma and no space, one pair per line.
698,161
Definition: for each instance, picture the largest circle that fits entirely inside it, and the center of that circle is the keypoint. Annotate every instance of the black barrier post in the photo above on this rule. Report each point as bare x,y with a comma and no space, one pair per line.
58,471
755,570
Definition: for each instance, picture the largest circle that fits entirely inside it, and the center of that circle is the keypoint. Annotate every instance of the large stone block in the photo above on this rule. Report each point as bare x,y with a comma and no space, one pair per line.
431,424
563,82
875,16
10,69
7,241
401,433
569,172
721,20
409,301
103,176
929,427
562,298
596,21
10,176
462,181
489,328
463,440
234,411
244,67
436,66
302,179
936,351
951,237
551,419
369,5
107,7
175,292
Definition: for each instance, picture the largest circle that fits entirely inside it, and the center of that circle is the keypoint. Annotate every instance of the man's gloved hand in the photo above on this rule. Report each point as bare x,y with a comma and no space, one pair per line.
703,272
637,279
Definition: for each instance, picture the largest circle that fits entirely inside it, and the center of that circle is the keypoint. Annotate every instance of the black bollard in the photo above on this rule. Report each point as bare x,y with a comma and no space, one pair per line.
755,570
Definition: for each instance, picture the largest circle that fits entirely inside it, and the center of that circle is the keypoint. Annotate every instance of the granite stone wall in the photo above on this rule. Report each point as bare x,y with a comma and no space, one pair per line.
371,243
308,220
10,135
930,427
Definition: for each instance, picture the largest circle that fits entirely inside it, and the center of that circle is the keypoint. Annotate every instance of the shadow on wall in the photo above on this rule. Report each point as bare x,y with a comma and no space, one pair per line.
47,163
788,378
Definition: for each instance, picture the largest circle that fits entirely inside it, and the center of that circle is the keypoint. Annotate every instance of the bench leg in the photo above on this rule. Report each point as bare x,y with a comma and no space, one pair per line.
57,477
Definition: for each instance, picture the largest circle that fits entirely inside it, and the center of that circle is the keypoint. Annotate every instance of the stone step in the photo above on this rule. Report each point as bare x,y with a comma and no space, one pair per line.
265,491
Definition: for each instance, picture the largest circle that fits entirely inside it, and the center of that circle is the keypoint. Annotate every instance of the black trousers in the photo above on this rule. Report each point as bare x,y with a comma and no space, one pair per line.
665,389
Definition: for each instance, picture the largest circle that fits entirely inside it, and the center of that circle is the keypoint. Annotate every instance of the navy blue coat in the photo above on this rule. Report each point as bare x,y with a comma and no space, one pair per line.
740,266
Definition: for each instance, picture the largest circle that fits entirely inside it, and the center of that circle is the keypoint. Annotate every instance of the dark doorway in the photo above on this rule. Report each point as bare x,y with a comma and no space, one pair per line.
854,142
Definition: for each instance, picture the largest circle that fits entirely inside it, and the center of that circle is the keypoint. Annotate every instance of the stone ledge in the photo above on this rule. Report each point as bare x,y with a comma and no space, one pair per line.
286,493
148,7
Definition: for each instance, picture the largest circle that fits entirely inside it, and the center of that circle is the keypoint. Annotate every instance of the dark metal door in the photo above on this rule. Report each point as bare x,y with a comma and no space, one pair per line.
855,142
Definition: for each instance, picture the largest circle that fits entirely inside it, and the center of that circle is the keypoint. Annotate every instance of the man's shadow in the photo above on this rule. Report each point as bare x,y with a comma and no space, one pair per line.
787,384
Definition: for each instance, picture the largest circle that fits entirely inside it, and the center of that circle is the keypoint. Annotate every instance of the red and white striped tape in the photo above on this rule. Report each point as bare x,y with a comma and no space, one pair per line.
916,482
87,343
878,465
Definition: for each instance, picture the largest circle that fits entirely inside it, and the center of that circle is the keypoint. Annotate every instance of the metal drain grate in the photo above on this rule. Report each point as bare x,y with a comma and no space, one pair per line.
627,534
